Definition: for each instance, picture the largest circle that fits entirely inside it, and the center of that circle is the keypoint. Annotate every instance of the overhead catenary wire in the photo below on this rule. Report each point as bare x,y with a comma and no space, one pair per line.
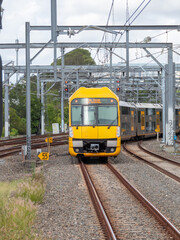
127,21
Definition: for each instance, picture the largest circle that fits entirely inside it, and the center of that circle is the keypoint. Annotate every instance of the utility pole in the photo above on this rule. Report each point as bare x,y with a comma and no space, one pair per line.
54,34
28,93
6,104
62,89
17,50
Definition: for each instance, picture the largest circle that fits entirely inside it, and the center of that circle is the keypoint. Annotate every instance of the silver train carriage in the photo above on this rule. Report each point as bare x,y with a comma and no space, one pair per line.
143,120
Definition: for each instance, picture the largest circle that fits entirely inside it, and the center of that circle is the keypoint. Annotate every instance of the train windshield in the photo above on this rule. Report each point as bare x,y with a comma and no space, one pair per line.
90,115
107,115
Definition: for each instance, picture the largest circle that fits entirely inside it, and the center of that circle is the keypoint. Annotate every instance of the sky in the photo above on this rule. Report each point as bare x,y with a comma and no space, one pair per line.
85,12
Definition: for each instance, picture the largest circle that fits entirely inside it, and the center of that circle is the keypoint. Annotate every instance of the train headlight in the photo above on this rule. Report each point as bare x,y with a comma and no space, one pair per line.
70,132
118,131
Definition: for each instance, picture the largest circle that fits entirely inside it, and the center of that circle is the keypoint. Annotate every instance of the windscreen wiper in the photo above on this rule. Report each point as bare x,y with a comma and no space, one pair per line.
112,122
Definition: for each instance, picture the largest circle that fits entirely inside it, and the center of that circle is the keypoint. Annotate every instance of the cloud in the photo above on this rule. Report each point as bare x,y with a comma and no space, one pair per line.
82,12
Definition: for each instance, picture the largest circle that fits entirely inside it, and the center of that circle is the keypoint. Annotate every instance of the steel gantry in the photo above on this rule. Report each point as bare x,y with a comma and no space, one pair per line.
166,73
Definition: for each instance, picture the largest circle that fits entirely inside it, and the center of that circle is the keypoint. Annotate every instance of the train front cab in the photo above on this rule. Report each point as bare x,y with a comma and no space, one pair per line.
94,123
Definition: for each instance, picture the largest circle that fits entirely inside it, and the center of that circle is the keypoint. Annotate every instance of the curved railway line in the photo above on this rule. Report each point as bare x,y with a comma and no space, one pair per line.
110,230
162,164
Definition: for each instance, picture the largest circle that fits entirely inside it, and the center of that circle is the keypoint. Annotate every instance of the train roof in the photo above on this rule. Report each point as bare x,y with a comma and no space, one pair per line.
103,92
139,105
127,104
148,105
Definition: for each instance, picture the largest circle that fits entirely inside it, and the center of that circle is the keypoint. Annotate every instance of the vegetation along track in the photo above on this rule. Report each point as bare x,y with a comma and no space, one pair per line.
37,142
164,165
113,227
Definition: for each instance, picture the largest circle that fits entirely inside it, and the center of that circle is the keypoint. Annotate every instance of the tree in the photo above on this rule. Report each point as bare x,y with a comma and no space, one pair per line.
78,57
18,106
17,124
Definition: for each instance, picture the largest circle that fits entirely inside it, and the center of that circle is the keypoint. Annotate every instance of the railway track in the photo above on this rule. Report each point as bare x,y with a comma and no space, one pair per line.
164,165
111,224
37,142
22,140
157,155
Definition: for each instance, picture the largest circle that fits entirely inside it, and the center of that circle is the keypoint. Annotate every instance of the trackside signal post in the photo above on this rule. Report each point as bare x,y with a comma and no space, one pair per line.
28,62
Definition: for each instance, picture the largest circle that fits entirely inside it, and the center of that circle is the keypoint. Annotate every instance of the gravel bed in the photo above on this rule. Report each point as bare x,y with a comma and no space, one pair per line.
67,212
129,218
162,191
156,147
11,168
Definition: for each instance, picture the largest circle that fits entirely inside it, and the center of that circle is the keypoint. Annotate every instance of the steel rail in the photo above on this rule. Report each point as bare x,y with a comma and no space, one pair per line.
169,174
34,138
151,208
103,218
17,149
157,155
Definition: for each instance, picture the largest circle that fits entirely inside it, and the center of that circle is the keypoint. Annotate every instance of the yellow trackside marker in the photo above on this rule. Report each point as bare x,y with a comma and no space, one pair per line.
44,156
157,130
49,140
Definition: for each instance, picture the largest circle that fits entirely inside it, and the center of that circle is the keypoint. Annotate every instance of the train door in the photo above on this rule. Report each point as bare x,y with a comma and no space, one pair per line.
132,121
142,120
158,121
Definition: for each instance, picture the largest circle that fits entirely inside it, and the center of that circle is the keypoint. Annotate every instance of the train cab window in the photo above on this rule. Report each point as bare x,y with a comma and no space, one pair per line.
107,115
89,113
76,115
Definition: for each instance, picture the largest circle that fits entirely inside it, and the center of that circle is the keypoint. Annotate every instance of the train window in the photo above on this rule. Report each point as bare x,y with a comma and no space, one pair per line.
176,124
176,111
125,127
150,111
139,116
125,110
160,116
89,113
107,115
76,115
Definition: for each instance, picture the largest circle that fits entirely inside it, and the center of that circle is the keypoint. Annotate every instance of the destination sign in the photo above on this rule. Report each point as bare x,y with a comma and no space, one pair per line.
89,101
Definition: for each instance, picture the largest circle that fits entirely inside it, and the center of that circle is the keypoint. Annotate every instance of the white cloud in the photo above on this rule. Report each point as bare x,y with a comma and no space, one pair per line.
81,12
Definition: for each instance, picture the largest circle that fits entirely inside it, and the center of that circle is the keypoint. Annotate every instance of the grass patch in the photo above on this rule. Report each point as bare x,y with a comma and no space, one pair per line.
18,205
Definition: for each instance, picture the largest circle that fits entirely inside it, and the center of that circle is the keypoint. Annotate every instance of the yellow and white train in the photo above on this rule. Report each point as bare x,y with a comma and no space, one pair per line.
94,123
